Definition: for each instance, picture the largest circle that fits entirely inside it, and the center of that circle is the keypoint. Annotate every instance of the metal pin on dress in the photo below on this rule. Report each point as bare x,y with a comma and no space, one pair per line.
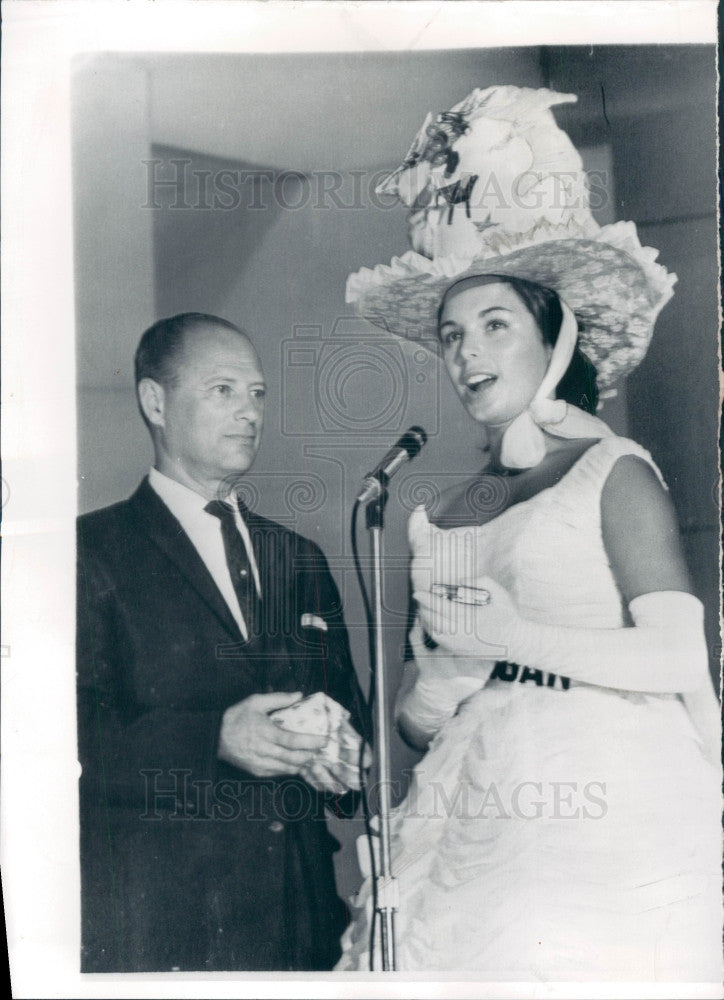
461,594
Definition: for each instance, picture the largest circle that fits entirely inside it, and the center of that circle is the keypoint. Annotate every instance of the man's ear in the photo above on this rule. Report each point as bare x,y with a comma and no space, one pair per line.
152,399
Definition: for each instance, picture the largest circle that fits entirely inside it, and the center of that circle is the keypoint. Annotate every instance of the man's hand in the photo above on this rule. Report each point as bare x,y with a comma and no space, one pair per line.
251,741
339,773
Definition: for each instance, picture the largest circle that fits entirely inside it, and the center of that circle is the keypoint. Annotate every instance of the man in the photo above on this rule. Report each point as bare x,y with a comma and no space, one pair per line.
203,845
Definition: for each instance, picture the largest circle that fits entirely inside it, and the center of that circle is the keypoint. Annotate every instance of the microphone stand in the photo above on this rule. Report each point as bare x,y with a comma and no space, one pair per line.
387,894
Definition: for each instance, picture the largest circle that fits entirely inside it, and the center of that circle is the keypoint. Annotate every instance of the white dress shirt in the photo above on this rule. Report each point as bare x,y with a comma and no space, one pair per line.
204,530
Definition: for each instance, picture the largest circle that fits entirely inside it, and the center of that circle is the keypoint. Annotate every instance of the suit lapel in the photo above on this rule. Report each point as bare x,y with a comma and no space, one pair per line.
157,521
265,542
271,656
274,554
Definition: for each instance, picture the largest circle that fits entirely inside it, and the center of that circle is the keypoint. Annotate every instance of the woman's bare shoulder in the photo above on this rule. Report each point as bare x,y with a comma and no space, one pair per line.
640,530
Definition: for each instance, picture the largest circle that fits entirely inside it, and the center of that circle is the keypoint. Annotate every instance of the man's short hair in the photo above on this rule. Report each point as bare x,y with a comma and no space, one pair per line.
161,346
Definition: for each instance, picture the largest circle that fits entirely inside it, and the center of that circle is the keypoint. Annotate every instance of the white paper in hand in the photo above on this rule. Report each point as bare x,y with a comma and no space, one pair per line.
320,715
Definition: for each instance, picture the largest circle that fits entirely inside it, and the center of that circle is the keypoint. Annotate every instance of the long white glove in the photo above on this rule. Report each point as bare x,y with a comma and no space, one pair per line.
434,686
664,652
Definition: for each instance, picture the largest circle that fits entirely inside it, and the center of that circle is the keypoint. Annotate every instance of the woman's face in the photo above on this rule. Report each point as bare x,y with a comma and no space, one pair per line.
493,351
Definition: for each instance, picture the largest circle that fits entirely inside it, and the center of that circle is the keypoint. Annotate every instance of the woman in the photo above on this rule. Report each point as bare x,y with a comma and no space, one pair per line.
564,821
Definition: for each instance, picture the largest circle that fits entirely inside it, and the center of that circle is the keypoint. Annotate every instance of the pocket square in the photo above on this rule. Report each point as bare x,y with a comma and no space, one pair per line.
313,621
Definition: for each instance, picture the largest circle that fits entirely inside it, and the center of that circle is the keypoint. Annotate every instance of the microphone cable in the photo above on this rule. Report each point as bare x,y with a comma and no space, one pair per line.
371,836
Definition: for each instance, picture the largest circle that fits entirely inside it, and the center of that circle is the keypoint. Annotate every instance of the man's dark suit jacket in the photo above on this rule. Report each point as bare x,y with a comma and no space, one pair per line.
187,862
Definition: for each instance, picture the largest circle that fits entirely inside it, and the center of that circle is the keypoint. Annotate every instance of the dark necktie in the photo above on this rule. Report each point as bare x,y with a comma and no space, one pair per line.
237,559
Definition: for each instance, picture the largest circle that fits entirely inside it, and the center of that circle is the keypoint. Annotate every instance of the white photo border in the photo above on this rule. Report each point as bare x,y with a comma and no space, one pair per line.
39,800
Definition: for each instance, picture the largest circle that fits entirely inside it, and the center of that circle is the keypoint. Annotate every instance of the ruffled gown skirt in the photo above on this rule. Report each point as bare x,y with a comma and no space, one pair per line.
557,835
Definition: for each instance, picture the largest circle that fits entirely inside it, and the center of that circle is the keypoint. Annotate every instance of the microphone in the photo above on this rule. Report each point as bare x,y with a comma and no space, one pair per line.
403,451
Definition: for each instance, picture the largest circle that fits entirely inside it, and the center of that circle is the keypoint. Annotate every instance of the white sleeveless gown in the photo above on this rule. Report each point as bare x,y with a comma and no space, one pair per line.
554,830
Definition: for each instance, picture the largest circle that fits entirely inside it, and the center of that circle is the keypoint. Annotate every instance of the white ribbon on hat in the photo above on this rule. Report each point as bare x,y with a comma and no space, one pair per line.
524,445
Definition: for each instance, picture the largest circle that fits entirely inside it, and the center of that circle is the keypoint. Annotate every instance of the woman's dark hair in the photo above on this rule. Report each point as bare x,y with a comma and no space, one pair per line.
578,384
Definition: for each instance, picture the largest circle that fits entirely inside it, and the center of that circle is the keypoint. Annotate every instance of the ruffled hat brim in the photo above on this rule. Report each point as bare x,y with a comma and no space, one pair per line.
613,285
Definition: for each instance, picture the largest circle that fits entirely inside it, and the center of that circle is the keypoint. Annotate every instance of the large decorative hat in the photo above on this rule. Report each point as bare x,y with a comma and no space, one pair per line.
494,186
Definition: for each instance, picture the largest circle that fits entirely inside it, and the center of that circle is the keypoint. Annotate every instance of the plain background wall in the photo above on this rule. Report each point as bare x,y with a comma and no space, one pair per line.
340,392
